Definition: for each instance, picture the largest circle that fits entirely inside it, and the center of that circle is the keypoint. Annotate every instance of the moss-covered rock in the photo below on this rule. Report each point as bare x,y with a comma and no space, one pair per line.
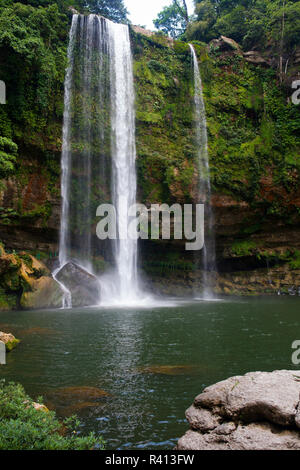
45,293
26,282
9,340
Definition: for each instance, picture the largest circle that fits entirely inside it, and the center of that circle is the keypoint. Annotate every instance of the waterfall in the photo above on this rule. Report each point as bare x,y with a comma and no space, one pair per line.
204,196
124,157
98,152
65,166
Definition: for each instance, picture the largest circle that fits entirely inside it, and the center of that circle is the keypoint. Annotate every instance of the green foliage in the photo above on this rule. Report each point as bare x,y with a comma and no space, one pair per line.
114,10
242,248
295,260
164,120
249,22
253,134
171,21
8,156
33,43
22,427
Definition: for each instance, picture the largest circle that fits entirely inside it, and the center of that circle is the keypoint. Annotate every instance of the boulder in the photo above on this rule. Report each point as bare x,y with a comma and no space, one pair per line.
9,340
225,44
45,293
83,286
255,57
257,411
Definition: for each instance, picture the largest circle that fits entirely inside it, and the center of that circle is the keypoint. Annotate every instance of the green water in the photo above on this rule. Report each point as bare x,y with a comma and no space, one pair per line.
109,348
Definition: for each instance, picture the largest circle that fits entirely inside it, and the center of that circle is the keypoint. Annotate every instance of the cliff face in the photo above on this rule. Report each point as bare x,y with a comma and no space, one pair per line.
33,45
253,146
254,156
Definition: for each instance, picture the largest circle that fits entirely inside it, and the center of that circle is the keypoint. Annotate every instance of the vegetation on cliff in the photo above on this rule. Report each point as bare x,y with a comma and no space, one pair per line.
253,132
33,59
253,126
249,22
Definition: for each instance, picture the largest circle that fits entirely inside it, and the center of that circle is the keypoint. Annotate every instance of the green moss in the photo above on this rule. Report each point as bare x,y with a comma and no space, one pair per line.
7,301
164,96
295,261
10,345
243,248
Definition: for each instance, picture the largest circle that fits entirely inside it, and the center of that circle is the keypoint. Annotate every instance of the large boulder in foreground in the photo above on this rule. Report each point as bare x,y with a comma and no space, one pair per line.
83,286
9,340
257,411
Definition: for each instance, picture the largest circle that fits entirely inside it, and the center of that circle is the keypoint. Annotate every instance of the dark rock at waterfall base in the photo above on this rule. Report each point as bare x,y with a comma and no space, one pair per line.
257,411
84,286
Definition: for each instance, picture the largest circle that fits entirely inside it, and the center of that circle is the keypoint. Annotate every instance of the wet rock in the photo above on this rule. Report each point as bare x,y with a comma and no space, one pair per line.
9,340
81,408
45,293
84,286
258,411
71,395
68,401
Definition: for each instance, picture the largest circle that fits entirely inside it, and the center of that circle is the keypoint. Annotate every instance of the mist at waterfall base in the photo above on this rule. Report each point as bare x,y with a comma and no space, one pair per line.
99,160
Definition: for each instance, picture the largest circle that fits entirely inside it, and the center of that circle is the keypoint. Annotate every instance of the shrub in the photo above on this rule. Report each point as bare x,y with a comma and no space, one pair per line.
22,427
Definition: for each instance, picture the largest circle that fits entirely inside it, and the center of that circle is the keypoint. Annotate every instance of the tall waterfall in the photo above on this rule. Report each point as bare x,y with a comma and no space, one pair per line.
98,152
204,193
124,289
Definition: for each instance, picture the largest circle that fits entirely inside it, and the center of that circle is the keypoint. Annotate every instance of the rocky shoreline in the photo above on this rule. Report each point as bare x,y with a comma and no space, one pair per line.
257,411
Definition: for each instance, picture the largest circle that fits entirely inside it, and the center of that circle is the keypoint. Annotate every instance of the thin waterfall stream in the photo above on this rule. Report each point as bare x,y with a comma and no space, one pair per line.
204,190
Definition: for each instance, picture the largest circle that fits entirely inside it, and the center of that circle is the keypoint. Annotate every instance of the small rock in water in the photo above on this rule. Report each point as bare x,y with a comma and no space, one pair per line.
9,340
68,401
83,286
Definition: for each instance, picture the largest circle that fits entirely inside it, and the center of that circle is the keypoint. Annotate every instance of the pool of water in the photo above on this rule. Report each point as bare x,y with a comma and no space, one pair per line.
121,350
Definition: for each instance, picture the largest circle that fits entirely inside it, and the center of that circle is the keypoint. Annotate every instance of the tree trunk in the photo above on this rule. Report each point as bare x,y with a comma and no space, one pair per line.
184,10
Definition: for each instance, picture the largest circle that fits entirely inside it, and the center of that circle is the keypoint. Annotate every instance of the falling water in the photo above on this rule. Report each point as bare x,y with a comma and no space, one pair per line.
64,231
123,285
98,152
204,197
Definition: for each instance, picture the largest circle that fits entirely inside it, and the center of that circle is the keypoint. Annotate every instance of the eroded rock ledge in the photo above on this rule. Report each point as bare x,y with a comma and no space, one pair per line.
257,411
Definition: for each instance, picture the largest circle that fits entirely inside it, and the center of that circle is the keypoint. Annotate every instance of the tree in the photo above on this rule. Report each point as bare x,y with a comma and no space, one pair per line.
170,21
173,19
252,23
182,7
114,10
